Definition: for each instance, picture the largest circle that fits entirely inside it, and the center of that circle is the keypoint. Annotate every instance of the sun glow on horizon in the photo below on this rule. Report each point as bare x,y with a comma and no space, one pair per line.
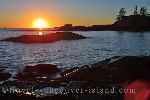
40,33
41,23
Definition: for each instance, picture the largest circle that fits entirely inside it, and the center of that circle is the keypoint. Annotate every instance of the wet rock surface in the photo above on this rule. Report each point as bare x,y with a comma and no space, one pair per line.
42,69
37,76
48,38
1,69
117,72
4,76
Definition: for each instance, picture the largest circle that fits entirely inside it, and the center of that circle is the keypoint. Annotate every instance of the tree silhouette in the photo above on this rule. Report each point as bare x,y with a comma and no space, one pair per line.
143,11
135,11
122,13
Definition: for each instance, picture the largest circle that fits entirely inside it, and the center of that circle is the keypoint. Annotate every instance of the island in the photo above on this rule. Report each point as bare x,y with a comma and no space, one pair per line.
47,38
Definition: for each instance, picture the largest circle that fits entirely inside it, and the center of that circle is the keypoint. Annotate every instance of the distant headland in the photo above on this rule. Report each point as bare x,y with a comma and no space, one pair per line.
138,21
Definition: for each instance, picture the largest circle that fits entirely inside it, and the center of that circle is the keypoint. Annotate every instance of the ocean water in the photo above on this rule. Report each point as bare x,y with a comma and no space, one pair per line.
73,53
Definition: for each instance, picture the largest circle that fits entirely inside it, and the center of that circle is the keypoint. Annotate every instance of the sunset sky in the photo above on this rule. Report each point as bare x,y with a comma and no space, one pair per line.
23,13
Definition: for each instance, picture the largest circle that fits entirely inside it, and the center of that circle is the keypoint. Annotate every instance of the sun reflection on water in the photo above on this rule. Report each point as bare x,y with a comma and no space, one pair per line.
40,33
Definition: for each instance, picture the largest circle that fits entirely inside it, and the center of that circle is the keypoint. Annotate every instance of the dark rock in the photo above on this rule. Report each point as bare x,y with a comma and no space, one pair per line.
79,75
59,97
16,96
39,72
42,69
132,68
37,76
48,38
68,71
1,70
109,73
54,83
116,71
4,76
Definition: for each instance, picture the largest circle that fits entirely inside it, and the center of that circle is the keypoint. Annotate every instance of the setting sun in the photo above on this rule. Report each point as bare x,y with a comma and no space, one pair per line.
40,23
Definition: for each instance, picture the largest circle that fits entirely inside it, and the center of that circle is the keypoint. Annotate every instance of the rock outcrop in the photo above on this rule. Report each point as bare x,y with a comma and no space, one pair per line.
48,38
4,76
116,72
36,76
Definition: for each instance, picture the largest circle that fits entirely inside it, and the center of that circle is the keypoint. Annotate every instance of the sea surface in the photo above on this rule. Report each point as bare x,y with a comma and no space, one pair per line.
72,53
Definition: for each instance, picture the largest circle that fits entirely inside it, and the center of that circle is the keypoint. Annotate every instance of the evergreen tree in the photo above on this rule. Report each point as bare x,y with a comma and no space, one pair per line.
122,13
143,11
135,11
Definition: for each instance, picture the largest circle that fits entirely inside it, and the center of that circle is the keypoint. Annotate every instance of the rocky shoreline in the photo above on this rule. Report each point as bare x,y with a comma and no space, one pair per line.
117,72
48,38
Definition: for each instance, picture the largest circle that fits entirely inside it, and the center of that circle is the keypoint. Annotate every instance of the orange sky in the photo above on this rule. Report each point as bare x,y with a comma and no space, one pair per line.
23,13
27,20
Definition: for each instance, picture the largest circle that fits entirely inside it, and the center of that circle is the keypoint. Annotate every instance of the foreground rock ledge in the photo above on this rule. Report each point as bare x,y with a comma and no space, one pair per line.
48,38
119,72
